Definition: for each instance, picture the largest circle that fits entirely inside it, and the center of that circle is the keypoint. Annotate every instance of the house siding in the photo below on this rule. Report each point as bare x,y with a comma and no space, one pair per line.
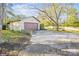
15,26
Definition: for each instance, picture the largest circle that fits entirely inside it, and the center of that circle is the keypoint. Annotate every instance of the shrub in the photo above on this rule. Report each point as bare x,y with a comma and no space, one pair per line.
42,26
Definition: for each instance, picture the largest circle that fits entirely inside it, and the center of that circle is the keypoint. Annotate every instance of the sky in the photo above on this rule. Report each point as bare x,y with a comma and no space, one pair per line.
76,5
24,8
28,8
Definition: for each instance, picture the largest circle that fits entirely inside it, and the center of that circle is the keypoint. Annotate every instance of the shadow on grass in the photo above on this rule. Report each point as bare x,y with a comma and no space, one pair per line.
13,49
10,49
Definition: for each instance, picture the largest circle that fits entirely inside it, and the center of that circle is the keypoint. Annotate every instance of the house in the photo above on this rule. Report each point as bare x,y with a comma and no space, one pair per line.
29,23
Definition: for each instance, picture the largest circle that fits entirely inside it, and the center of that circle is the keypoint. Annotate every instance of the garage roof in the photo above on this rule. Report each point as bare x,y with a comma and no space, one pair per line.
31,19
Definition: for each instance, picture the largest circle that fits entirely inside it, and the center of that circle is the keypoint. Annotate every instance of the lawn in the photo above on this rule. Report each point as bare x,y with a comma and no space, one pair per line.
63,29
8,34
13,42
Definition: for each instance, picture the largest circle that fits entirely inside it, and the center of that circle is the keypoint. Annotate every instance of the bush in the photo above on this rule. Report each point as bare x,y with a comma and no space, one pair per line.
75,24
42,26
4,27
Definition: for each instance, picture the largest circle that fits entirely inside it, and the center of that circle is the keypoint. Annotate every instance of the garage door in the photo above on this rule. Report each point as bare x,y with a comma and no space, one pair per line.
30,26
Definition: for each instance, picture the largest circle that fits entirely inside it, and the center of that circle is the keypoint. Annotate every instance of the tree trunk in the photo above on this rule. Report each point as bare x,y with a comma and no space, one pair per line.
3,14
57,27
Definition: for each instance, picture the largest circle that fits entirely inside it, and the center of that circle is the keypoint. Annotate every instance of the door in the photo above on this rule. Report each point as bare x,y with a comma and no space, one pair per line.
30,26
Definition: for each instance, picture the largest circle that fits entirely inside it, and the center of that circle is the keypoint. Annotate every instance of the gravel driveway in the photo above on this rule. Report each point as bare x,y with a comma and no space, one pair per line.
53,43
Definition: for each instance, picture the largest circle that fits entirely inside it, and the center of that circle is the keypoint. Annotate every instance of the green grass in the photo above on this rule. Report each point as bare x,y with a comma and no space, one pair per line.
66,31
13,42
8,34
71,31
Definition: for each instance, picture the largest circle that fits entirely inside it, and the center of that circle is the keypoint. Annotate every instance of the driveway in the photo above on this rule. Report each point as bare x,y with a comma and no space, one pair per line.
53,43
48,37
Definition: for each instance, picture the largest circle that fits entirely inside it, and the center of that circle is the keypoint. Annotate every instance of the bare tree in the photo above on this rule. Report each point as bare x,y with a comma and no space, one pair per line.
57,15
5,12
2,13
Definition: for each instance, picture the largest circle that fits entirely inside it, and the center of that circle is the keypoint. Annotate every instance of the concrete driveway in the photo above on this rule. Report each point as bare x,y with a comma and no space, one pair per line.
53,43
49,37
66,42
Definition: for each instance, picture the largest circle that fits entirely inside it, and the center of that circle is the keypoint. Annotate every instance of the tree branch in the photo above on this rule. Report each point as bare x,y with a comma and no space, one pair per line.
47,15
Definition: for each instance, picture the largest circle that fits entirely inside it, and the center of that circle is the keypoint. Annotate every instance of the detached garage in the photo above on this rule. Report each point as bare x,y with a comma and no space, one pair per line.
30,23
